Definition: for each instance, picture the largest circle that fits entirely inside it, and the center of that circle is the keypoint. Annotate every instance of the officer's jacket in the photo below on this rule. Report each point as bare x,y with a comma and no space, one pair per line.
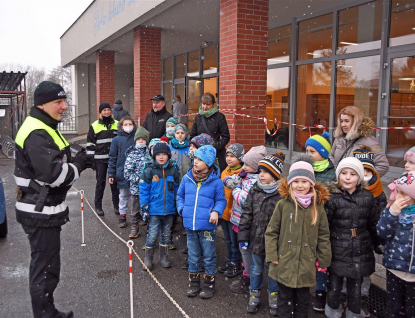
99,139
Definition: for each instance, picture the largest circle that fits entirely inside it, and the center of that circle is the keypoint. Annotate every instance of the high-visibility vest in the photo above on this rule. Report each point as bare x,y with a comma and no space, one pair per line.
97,127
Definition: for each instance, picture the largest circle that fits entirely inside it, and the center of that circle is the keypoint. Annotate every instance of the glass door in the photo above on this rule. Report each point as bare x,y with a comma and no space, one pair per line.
194,91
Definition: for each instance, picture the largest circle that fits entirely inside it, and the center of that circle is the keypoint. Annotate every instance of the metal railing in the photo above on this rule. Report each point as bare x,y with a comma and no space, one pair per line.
69,120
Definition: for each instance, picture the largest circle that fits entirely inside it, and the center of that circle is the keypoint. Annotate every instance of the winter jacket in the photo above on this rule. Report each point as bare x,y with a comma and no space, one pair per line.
327,175
239,196
195,201
158,188
117,157
99,139
228,193
296,246
366,138
400,243
134,166
352,219
43,162
155,123
118,111
180,109
180,156
256,213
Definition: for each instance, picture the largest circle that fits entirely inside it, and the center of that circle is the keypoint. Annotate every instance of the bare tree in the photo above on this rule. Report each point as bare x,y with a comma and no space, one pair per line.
63,76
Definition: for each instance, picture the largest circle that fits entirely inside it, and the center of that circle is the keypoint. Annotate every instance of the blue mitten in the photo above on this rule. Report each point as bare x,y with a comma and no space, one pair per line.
244,245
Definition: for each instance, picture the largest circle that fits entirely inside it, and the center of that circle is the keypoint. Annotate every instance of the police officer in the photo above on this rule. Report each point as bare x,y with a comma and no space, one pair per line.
44,172
98,145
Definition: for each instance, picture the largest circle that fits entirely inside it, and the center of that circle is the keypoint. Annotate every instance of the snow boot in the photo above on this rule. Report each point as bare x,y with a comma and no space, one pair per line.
122,221
98,209
135,231
253,304
272,302
208,287
241,286
350,314
320,300
333,313
224,267
194,285
148,258
233,270
164,261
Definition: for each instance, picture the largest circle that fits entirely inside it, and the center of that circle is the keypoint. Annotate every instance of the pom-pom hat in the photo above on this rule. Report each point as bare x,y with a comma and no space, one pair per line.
273,164
366,156
321,143
161,147
406,183
302,168
254,155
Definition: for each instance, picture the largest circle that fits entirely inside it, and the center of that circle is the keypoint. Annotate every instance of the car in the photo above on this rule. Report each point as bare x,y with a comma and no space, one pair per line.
3,217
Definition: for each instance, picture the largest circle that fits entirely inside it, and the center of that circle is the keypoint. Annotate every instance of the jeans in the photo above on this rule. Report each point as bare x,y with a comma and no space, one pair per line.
334,287
157,224
293,300
231,239
125,195
257,275
101,176
202,243
321,280
400,294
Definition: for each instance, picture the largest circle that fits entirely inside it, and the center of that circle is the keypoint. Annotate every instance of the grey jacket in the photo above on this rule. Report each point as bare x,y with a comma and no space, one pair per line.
179,109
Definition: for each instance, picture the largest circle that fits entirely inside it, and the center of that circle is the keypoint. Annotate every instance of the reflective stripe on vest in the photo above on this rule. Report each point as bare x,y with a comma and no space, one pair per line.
97,127
31,124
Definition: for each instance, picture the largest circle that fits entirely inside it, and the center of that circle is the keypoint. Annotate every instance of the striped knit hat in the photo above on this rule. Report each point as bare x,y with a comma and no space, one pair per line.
273,164
302,168
182,127
321,143
366,156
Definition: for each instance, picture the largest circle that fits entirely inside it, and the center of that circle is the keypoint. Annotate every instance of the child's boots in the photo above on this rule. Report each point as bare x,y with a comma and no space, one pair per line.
194,285
164,261
208,287
253,304
241,286
272,302
148,257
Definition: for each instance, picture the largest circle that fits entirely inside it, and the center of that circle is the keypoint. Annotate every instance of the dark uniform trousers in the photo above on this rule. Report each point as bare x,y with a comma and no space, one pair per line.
101,175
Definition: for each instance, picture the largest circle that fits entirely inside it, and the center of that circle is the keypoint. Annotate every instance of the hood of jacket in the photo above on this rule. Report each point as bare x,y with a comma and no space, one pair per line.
214,175
117,107
323,193
365,129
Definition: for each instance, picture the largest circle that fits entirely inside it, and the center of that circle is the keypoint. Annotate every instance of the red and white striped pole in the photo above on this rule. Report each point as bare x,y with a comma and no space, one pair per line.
130,249
82,218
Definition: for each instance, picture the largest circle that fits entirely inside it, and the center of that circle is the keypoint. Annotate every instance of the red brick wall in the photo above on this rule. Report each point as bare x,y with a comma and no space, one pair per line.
147,69
243,66
105,78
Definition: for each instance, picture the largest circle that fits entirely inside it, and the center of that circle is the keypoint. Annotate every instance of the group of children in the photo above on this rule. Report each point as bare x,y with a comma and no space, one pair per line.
318,226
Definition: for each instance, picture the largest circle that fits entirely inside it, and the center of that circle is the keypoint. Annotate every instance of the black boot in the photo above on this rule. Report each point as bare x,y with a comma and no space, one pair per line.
98,209
208,287
164,261
194,285
65,314
241,286
233,270
116,209
320,300
148,258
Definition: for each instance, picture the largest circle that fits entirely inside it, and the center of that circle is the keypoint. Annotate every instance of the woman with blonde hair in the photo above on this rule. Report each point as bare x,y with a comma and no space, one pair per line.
353,130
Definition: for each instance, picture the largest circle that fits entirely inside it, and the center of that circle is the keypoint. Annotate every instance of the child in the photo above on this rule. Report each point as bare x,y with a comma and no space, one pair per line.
241,184
117,157
201,201
197,142
396,226
318,147
256,213
179,146
234,157
158,189
150,148
136,159
170,124
353,216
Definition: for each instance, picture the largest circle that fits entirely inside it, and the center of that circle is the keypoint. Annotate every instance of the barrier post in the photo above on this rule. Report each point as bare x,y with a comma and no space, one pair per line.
82,218
130,249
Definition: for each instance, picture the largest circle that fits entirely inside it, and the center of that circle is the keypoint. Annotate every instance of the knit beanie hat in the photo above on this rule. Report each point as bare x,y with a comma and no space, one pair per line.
237,150
103,105
321,143
207,154
153,142
254,155
406,183
161,147
352,163
302,168
273,164
410,155
202,140
141,133
47,92
366,156
171,120
182,127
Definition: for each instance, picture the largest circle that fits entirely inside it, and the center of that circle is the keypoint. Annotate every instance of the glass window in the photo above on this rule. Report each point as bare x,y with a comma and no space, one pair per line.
210,60
180,65
279,45
402,26
313,100
193,63
315,37
360,28
358,84
401,109
278,106
167,93
167,69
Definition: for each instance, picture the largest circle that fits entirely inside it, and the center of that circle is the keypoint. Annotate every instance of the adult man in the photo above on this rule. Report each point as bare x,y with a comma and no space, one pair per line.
179,109
44,172
118,111
155,121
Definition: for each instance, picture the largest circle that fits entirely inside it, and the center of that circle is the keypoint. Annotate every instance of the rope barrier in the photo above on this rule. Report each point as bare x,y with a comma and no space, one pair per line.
138,257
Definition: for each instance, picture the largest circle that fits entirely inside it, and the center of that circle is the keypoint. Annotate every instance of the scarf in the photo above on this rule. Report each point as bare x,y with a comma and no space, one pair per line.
201,176
232,169
209,112
107,120
303,199
407,215
320,166
179,144
268,187
374,185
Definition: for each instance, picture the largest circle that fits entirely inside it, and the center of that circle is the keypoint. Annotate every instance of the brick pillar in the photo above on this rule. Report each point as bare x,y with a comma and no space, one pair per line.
243,66
147,69
105,78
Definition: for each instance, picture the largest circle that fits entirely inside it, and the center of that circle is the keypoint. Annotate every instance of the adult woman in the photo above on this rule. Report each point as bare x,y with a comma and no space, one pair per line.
212,122
353,130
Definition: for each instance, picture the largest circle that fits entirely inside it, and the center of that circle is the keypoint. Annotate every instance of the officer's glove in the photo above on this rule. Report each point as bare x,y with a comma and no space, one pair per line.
81,160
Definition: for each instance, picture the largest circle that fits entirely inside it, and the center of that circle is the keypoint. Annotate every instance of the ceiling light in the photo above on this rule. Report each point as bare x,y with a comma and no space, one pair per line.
407,78
348,43
344,66
413,28
313,54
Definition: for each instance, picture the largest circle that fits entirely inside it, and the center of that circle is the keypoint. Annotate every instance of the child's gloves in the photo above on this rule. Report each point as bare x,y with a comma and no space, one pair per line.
144,212
232,182
244,245
319,269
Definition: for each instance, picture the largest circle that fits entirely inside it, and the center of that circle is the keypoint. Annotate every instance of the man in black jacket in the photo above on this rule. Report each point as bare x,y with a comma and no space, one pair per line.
44,172
155,121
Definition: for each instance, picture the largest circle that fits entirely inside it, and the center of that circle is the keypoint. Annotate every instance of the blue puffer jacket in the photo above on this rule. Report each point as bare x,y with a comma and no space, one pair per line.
195,200
119,146
158,188
399,248
134,166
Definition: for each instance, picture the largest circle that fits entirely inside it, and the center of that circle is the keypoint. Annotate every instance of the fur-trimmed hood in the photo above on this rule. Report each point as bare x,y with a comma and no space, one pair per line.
365,129
323,193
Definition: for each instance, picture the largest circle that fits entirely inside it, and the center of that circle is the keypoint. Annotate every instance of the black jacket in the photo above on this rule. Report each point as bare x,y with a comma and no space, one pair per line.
352,256
98,144
155,123
42,162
